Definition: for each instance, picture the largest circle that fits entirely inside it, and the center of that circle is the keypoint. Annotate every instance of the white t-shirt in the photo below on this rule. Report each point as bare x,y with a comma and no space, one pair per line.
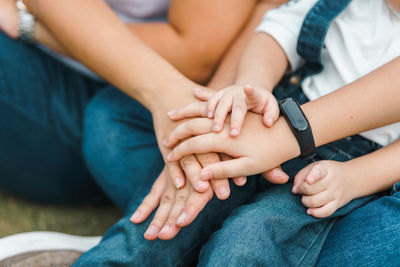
128,11
365,36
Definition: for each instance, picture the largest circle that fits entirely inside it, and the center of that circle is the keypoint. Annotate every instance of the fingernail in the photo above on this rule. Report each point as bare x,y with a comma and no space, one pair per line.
178,183
164,229
135,216
165,141
196,90
311,179
234,132
201,185
210,115
294,190
216,128
152,230
309,212
277,172
223,192
181,218
270,122
241,180
169,157
206,174
171,113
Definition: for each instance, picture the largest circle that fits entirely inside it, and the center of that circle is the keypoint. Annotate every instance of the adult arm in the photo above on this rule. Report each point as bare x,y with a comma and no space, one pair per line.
191,41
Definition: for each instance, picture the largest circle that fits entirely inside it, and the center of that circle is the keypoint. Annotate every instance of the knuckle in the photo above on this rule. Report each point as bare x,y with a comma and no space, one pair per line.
167,200
186,161
181,199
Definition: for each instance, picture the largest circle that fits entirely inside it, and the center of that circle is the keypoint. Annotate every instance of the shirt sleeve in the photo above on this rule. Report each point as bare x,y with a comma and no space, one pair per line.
284,25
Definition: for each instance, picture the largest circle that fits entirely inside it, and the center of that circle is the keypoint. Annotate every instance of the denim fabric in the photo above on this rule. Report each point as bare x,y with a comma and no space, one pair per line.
268,219
41,110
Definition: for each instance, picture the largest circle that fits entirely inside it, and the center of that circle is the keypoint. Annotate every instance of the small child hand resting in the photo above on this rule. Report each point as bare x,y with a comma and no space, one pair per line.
326,186
237,99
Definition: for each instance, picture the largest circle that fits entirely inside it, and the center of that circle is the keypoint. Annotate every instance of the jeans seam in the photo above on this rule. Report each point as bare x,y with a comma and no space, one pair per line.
312,243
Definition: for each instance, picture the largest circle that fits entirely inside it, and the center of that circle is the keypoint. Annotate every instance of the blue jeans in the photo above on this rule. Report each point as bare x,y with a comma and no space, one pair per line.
260,224
42,103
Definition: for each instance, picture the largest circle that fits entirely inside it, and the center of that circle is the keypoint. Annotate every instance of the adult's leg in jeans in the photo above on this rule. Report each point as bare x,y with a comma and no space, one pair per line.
122,153
369,236
275,230
41,109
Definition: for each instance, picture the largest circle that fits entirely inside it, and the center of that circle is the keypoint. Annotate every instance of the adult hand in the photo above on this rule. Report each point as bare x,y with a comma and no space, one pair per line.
256,150
189,164
9,18
177,208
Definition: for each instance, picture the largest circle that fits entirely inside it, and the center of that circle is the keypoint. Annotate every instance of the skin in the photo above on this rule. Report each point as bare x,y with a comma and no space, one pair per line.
329,185
195,201
192,51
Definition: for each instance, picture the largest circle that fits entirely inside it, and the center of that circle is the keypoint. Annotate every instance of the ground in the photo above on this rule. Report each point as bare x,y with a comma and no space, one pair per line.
17,215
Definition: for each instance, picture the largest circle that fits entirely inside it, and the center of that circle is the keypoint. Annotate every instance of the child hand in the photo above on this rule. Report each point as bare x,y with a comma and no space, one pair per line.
326,186
238,99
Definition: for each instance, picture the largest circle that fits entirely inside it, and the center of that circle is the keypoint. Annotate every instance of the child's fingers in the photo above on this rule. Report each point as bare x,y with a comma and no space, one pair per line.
252,98
202,94
306,189
197,109
187,129
192,169
239,110
300,178
317,172
223,108
239,181
271,111
229,168
318,200
213,102
324,211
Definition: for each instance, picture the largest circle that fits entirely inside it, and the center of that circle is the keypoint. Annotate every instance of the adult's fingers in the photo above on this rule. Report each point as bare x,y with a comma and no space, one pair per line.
194,205
239,181
192,169
166,204
196,109
239,110
276,176
176,174
170,229
199,144
220,187
188,128
151,201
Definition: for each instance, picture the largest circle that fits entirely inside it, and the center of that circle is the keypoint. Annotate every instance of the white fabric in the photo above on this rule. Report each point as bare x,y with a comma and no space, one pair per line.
42,241
129,10
365,36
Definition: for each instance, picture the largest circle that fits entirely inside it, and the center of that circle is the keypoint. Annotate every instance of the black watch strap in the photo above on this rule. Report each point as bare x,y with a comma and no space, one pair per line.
298,123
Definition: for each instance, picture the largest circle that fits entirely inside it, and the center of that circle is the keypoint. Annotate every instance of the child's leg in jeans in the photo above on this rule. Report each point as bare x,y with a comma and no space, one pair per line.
369,236
275,228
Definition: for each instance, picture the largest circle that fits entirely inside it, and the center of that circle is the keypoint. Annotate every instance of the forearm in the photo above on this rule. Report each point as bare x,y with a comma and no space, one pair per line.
227,69
263,62
375,172
120,53
368,103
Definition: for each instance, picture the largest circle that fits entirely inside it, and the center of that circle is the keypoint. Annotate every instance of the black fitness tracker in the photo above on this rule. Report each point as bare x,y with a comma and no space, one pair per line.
299,125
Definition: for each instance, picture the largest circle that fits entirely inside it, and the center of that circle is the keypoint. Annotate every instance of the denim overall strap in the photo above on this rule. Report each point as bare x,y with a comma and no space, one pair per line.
313,33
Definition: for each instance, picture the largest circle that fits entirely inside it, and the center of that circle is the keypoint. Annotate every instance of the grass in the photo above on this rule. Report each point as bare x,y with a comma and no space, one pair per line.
17,215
